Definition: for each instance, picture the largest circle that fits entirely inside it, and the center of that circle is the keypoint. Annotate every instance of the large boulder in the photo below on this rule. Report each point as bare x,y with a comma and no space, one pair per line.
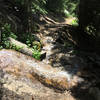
24,78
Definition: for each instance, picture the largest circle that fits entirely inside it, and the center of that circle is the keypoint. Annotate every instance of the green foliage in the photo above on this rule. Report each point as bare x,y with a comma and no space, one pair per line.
67,13
74,22
36,54
39,6
17,48
58,6
66,7
6,32
26,38
31,42
29,39
91,30
1,47
71,7
35,45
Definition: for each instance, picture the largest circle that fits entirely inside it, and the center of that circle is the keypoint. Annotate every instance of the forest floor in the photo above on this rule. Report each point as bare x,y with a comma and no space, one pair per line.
62,55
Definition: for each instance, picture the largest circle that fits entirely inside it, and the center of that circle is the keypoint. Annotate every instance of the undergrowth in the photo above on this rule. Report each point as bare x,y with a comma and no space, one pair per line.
26,38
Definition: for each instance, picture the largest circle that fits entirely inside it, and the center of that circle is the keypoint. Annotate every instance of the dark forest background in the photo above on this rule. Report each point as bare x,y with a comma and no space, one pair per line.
22,14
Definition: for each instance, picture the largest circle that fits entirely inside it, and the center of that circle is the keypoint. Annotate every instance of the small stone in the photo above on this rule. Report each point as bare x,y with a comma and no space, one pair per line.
28,97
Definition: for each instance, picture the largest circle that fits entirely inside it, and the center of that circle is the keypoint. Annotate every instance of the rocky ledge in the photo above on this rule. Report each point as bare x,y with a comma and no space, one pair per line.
24,78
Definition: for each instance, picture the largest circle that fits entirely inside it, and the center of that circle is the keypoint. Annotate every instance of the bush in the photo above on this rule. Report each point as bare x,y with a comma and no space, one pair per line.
66,7
29,40
6,32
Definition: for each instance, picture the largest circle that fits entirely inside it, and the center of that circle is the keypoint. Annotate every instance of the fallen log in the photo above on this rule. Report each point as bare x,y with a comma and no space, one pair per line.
23,48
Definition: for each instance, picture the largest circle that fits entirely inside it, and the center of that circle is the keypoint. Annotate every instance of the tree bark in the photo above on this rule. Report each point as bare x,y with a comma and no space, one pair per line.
89,18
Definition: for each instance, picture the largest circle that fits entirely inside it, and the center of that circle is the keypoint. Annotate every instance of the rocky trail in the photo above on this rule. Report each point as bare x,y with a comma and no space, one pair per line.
61,75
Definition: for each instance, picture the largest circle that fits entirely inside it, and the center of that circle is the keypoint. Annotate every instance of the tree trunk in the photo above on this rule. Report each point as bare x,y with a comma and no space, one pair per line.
89,17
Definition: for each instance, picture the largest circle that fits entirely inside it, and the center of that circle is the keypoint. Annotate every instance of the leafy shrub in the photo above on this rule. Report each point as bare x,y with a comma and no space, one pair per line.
74,22
26,38
39,6
17,48
36,54
71,7
6,32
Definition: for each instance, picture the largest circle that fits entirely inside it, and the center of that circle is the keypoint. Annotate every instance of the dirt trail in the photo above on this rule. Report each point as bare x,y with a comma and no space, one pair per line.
58,55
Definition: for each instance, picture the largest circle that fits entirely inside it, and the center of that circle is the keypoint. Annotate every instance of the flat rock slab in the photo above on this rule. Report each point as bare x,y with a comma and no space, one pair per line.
21,75
21,65
12,88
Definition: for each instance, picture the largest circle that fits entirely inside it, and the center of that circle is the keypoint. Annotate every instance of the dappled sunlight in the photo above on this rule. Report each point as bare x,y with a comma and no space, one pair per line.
49,50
